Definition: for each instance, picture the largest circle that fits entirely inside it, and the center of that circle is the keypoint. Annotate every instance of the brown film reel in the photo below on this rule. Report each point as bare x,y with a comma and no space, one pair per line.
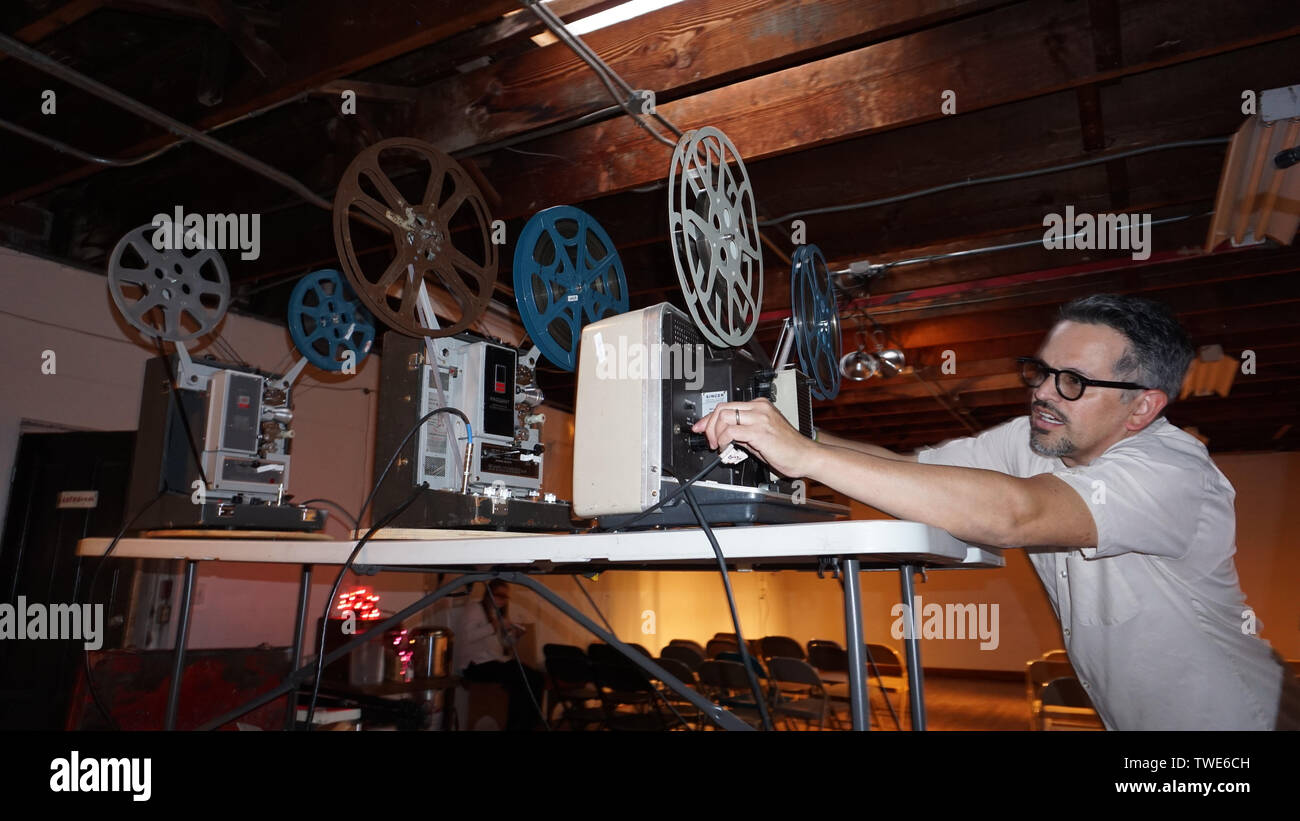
407,215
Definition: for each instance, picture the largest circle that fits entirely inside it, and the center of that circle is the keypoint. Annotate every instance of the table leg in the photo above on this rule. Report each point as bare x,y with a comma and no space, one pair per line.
182,634
300,623
853,640
912,649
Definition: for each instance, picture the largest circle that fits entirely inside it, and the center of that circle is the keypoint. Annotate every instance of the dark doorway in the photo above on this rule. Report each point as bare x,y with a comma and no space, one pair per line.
39,561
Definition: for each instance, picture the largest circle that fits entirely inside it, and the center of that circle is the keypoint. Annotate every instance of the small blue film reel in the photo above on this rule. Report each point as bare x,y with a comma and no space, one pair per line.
567,273
816,320
326,321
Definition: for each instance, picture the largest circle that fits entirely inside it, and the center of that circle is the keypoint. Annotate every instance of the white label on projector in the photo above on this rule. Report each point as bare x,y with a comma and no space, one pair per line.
78,498
710,400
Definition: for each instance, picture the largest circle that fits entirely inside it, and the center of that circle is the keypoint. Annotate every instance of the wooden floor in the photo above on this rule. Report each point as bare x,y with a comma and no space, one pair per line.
970,704
962,704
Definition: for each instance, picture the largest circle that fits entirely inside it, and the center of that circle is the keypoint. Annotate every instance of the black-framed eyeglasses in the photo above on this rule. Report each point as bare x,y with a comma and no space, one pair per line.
1069,384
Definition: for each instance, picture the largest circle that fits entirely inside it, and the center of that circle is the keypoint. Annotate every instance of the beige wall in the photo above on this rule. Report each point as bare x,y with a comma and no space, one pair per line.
1268,547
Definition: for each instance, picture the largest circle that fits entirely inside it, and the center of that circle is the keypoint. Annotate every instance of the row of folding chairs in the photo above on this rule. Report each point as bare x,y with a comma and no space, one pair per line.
885,672
599,688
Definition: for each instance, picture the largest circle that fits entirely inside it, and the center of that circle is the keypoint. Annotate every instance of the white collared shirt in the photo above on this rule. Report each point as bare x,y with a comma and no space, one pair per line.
1153,618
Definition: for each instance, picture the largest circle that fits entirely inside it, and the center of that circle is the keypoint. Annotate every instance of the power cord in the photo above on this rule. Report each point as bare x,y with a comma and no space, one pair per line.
90,595
469,445
94,577
374,528
745,658
717,460
334,591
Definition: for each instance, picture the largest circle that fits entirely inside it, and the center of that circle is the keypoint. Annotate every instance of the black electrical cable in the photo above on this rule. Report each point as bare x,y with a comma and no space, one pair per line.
90,595
334,591
1017,175
731,602
514,651
604,73
610,628
198,462
352,520
469,443
717,460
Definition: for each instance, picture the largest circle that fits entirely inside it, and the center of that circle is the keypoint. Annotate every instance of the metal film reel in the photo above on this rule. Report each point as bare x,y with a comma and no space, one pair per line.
816,320
713,222
440,236
176,294
327,321
567,273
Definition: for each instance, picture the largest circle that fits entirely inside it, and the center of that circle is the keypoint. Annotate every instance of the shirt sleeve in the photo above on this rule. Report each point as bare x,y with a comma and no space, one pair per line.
1139,502
474,626
992,449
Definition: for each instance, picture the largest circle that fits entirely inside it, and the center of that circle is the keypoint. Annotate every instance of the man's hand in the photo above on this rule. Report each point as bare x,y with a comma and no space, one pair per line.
761,428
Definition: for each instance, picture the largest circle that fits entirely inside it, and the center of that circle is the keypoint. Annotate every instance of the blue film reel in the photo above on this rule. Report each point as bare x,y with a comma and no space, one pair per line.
816,319
567,273
326,320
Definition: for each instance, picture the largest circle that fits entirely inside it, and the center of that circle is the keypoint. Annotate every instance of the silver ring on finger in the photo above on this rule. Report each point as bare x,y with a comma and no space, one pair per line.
737,410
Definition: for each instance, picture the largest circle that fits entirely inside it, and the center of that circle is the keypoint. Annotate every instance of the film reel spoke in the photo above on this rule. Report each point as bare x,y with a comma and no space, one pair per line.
464,264
425,246
391,274
453,204
603,296
446,272
379,216
383,184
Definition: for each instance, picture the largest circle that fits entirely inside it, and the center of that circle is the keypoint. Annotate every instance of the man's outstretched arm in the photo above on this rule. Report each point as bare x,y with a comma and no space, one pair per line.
831,439
978,506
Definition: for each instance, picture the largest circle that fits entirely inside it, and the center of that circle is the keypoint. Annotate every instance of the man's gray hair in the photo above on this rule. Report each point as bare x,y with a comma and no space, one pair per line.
1159,349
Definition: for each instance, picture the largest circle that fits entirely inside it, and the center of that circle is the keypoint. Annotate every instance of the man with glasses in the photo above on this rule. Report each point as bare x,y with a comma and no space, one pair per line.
1130,524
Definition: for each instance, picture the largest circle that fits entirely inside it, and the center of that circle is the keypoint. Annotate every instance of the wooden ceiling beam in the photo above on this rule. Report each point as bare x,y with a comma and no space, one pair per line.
672,51
483,44
57,20
320,41
996,57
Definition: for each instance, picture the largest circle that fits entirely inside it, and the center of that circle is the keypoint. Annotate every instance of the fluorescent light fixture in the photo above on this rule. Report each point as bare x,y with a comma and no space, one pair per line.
618,14
603,19
1259,192
1211,372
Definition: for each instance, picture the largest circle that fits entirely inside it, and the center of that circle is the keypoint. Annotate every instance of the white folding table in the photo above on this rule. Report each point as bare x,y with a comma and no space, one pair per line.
846,547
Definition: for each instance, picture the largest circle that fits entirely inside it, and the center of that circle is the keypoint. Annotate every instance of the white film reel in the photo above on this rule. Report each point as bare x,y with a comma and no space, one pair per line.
713,225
